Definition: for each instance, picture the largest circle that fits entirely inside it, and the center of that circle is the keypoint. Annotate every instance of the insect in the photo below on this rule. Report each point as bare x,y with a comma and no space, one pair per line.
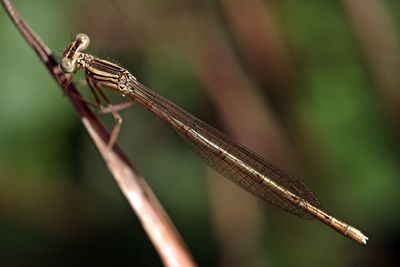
237,163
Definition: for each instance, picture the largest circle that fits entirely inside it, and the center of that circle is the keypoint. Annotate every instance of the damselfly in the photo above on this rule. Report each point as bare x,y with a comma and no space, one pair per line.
234,161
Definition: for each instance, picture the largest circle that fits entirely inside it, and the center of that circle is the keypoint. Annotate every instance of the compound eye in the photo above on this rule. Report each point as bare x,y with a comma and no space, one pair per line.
84,40
67,66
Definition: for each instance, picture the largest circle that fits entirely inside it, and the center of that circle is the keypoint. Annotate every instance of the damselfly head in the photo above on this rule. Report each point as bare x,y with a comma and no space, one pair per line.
73,52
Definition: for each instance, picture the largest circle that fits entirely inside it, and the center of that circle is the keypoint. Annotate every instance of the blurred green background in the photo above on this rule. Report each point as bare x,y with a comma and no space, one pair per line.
311,85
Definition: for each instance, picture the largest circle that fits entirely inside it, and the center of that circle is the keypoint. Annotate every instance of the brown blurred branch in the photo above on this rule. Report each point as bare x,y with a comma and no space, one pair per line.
154,219
257,35
380,44
252,122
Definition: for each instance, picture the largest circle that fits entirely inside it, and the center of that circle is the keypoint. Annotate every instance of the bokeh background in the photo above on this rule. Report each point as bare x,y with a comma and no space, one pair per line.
311,85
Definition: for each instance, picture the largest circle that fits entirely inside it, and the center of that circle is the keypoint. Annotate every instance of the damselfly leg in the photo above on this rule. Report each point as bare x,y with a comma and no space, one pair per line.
95,87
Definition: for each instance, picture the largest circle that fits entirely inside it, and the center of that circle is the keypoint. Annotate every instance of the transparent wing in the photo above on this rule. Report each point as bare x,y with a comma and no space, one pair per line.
214,151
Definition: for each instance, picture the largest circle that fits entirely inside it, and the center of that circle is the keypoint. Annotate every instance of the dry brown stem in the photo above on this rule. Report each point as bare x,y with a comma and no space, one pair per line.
379,42
154,219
